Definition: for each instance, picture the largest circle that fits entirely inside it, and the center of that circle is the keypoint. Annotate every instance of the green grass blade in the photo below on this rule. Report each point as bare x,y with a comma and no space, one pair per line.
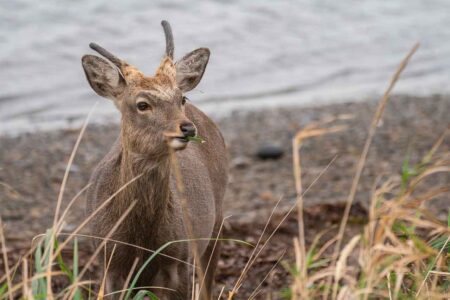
141,269
196,139
144,293
62,265
3,289
77,295
90,292
405,170
48,238
39,285
4,286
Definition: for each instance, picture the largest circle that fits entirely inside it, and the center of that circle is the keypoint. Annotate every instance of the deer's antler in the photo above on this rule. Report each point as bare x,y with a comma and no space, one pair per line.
108,55
169,39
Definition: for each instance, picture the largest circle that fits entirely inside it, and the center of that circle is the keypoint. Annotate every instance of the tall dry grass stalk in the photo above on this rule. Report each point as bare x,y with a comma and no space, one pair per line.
362,160
5,260
310,131
60,198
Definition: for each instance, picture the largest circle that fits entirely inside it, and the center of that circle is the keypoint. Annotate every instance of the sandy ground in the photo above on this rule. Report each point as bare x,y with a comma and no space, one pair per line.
32,166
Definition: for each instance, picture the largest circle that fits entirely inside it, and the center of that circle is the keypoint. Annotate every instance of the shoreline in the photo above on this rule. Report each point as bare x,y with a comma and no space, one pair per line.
105,114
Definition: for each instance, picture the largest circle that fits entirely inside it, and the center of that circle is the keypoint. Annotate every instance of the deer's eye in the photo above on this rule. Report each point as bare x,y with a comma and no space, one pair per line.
183,100
142,106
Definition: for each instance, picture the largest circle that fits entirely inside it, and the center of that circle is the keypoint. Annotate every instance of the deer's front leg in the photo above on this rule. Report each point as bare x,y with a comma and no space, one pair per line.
113,284
167,282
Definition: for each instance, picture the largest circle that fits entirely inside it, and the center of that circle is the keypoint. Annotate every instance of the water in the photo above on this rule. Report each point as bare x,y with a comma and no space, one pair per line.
264,53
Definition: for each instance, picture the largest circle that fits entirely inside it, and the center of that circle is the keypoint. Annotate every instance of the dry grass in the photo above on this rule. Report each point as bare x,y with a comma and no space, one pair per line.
402,252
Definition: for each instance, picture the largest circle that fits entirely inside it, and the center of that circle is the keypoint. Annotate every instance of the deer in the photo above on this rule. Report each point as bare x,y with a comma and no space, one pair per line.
156,127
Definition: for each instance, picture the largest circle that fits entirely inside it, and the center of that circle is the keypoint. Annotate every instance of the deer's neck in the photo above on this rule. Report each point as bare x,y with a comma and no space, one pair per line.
150,178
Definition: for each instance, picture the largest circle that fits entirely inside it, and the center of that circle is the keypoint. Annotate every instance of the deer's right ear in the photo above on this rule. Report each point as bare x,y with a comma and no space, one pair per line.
105,80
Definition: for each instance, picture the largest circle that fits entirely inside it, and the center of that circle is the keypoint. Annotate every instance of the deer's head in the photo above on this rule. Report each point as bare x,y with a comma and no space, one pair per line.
152,107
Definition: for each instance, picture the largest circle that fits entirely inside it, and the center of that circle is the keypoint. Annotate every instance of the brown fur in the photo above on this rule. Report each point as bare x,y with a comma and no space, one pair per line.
142,148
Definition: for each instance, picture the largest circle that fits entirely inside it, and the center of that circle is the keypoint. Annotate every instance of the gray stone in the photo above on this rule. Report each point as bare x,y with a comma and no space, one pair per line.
240,162
270,151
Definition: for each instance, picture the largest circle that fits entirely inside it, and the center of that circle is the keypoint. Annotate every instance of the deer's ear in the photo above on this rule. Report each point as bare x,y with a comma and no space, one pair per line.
104,79
190,68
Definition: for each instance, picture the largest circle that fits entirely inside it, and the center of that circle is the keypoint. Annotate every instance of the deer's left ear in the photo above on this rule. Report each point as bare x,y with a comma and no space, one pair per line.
190,69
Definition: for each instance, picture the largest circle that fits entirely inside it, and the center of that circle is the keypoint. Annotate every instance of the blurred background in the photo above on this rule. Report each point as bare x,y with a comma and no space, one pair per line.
263,54
276,67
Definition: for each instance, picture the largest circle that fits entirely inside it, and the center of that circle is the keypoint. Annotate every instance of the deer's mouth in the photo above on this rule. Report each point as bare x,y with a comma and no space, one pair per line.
178,143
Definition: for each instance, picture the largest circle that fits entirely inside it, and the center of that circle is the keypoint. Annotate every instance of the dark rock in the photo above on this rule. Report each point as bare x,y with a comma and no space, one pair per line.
270,152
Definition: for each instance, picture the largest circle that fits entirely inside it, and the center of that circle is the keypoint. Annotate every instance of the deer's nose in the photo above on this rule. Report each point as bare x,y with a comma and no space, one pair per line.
188,129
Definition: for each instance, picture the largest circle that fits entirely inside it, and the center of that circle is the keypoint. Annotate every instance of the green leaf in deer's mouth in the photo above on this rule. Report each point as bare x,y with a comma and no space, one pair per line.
196,139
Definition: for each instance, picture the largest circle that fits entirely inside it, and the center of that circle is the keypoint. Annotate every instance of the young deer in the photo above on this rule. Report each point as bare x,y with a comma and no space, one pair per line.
157,121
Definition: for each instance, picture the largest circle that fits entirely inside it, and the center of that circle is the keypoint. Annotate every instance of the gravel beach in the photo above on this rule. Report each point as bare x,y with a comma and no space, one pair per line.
32,165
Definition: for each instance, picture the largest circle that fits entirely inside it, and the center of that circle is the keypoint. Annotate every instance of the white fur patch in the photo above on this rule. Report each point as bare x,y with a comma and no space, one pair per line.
177,144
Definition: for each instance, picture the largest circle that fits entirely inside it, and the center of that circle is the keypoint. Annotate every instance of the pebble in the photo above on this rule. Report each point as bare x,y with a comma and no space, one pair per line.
269,151
240,162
